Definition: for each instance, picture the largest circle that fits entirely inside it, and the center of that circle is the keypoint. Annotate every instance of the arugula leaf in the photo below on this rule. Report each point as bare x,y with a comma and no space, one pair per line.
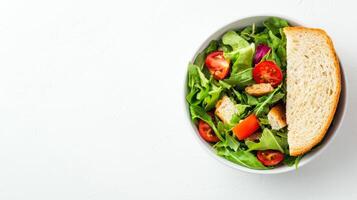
275,41
274,24
251,100
261,38
292,160
198,84
201,90
190,96
193,81
267,141
263,107
248,32
281,50
264,121
232,143
212,46
240,96
228,142
289,160
283,133
297,161
246,159
193,77
223,84
199,113
213,96
200,58
242,109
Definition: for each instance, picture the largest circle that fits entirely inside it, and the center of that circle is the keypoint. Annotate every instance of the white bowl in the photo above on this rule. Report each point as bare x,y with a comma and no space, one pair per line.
241,23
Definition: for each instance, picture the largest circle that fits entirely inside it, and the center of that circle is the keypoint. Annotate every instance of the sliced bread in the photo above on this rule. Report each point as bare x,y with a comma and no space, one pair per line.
313,87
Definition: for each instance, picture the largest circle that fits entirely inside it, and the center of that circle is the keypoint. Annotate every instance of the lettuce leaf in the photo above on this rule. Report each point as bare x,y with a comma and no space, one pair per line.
241,78
244,59
232,39
241,56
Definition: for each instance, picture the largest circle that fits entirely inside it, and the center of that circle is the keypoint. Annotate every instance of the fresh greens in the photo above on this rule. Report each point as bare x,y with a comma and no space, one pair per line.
202,91
241,56
241,78
268,141
292,160
239,48
274,24
200,58
263,105
246,159
199,113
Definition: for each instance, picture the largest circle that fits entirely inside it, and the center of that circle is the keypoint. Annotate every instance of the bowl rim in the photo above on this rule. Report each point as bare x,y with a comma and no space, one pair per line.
331,134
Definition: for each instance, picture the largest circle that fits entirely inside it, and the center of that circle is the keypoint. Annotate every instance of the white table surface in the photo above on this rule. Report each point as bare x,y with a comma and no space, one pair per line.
92,102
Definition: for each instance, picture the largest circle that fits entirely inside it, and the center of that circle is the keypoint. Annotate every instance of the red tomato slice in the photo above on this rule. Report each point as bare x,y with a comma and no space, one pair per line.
267,72
217,65
206,132
270,157
246,127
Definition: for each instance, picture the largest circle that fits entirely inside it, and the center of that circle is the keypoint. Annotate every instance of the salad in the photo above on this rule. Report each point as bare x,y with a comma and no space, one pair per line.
236,96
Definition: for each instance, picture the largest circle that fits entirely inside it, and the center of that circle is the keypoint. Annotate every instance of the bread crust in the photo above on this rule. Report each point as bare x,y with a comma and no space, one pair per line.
328,122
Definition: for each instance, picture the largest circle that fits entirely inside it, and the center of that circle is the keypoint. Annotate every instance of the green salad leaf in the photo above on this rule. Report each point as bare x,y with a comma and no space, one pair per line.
243,109
241,78
244,158
241,56
199,113
268,141
265,101
200,58
213,96
240,96
261,38
244,59
248,32
232,143
274,24
232,39
202,90
292,160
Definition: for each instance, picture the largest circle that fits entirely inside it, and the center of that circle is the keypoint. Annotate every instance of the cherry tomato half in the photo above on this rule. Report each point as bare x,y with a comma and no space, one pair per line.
267,72
246,127
206,132
217,65
270,157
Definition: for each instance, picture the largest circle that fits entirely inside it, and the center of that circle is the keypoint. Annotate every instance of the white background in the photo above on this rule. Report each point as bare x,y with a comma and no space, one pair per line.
91,102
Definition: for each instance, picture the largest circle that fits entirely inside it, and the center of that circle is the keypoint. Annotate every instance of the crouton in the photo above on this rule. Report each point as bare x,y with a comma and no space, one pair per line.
225,109
259,89
276,117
